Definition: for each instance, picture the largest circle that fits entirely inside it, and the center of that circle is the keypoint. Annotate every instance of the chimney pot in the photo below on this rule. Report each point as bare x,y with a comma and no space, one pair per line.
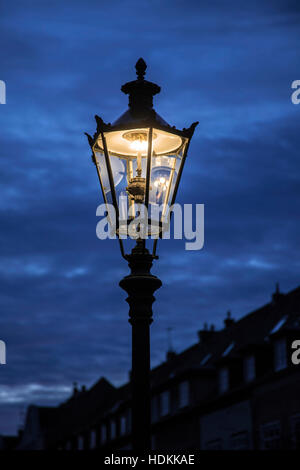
228,320
206,333
277,296
171,355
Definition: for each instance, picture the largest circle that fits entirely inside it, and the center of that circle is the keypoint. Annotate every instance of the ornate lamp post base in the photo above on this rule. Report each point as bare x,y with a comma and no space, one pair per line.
140,286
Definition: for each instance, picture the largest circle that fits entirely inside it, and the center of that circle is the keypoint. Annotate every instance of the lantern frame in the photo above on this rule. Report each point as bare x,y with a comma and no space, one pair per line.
139,117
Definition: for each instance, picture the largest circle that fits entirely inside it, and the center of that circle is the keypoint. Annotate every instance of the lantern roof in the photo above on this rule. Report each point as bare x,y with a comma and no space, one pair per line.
140,104
140,111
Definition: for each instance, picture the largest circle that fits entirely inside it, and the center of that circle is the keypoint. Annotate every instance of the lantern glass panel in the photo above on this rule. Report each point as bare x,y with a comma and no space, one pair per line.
129,170
164,176
128,154
101,164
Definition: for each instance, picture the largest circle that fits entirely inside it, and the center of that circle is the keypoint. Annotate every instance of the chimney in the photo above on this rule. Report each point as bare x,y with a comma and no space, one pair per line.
228,320
171,355
75,389
277,295
205,334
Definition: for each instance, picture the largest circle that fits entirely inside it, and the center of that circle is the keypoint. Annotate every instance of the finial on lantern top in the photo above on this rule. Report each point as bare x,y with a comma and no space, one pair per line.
141,94
140,67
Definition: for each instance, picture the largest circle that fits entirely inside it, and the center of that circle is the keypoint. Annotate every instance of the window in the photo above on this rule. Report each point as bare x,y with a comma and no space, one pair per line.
113,429
205,359
80,443
93,439
280,354
214,445
271,436
278,325
183,398
103,433
154,409
164,403
228,349
249,368
123,425
129,423
223,380
295,431
240,440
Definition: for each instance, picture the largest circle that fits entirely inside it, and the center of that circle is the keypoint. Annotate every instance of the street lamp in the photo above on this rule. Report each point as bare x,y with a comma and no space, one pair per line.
139,161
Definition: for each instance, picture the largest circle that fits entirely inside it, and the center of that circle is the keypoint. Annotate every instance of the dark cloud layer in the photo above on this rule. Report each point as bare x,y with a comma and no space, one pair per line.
230,66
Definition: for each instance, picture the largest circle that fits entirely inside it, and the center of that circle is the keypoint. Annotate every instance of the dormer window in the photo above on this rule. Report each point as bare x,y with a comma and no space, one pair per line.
278,325
93,439
103,433
228,349
280,359
223,380
249,368
80,443
164,403
205,359
113,429
123,423
183,398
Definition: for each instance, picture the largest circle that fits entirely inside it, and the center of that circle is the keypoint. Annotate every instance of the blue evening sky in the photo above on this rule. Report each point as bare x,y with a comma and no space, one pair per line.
228,65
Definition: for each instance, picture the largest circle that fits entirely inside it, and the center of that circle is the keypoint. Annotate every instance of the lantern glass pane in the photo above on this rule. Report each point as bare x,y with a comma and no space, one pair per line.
101,163
129,172
128,154
163,180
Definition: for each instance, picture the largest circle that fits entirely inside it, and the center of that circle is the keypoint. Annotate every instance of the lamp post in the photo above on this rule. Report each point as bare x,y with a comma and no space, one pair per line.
139,161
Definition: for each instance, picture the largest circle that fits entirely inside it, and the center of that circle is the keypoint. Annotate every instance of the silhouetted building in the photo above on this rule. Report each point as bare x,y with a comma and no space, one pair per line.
9,442
234,389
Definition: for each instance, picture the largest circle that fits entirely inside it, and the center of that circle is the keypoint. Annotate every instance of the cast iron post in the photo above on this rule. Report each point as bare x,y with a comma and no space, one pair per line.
140,286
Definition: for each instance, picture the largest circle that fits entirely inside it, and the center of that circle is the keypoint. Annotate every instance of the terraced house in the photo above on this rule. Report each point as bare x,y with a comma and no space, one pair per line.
236,388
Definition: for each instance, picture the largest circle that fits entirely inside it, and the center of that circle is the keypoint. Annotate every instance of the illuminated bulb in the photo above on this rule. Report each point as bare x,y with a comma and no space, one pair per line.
139,145
162,183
